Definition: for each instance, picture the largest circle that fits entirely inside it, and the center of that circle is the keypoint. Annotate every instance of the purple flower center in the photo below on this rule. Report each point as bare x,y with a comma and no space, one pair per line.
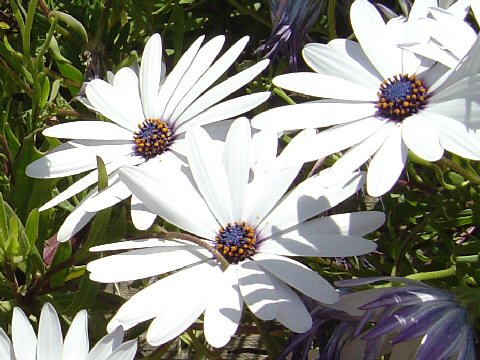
400,97
236,242
153,138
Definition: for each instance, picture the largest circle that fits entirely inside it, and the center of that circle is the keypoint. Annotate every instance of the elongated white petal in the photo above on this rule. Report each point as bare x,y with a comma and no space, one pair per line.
108,197
6,348
315,114
467,89
227,109
298,276
210,76
292,313
342,58
462,110
326,86
258,290
220,91
387,164
127,84
142,217
209,173
143,263
150,72
140,244
307,200
421,136
106,345
224,309
173,79
96,130
23,337
178,202
50,339
76,346
198,67
380,50
185,305
109,101
432,51
126,351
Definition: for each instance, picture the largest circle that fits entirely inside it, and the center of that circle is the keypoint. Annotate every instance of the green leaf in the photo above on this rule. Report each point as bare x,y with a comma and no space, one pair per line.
71,22
55,51
64,251
86,295
3,223
45,83
31,227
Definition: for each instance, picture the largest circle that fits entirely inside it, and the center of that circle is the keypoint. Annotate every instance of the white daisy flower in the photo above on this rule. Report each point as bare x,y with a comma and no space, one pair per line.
150,114
50,344
382,101
250,223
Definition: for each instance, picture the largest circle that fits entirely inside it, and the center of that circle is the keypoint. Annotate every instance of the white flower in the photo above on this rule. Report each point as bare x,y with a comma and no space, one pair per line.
140,106
435,110
250,223
50,344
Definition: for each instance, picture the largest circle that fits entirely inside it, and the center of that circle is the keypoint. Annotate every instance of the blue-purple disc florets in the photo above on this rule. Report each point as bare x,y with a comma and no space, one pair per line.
236,242
153,138
400,97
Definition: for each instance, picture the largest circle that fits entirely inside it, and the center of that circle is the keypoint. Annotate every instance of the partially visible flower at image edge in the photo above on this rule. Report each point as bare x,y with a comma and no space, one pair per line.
150,113
250,222
50,344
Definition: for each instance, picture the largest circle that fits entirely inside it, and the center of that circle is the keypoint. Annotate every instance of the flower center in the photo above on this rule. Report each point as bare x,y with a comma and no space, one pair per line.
400,97
236,242
153,138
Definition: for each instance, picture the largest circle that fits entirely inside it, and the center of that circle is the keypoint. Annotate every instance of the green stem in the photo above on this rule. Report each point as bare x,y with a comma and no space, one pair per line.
283,95
251,13
433,274
452,165
467,259
332,32
28,29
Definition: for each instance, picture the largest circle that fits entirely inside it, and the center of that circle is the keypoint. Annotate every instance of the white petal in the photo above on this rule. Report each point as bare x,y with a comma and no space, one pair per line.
467,88
76,343
357,155
292,314
207,169
174,78
23,337
258,290
203,60
186,303
150,71
342,58
335,139
387,164
50,339
126,351
227,109
456,137
314,114
126,82
462,110
432,51
106,345
370,31
421,136
137,244
236,161
142,217
110,102
220,91
224,309
325,86
308,199
97,130
6,348
178,202
298,276
108,197
143,263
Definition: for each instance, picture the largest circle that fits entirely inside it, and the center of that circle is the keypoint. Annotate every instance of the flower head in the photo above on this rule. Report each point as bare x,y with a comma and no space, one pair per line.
236,207
149,114
381,100
50,344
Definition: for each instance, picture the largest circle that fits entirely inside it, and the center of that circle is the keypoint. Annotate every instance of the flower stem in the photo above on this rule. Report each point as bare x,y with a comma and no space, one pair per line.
199,242
452,165
467,259
283,95
433,274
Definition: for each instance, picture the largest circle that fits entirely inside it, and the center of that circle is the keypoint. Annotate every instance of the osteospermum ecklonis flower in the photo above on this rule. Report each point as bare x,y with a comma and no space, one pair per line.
381,100
50,345
149,114
412,321
236,207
